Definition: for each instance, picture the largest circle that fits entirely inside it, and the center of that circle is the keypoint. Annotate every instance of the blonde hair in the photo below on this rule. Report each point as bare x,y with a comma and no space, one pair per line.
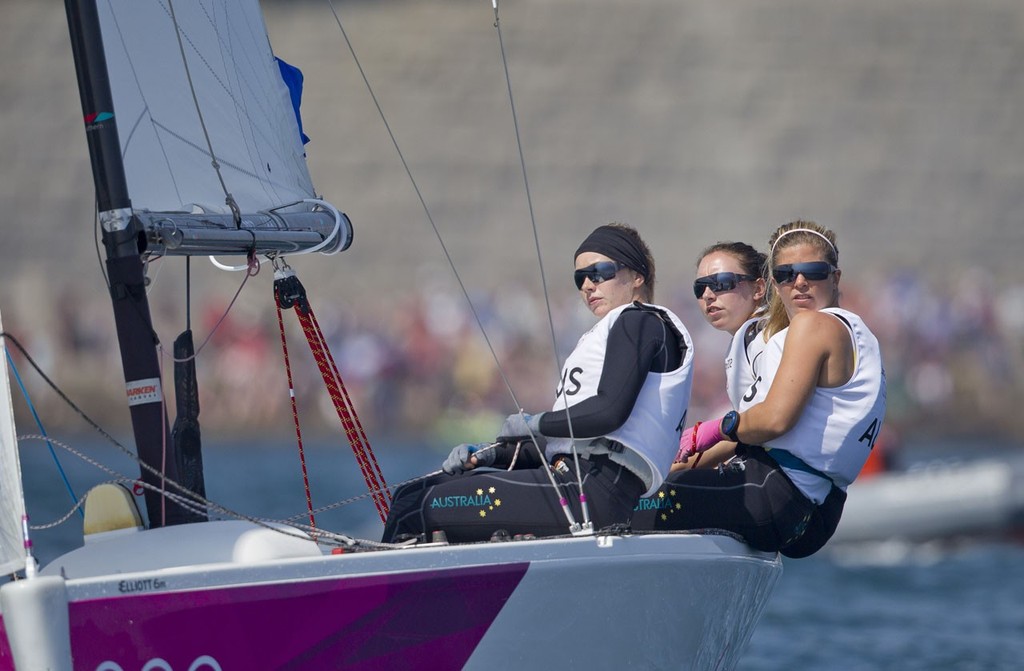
799,232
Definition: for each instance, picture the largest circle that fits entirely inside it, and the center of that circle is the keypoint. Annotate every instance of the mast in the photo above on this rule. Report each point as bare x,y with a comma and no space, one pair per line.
124,241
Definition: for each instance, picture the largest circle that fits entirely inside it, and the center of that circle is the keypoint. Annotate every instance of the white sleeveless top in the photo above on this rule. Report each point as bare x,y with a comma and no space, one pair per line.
839,425
652,431
743,362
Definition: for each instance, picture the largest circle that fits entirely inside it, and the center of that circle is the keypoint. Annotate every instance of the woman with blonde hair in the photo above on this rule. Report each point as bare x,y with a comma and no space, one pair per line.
813,416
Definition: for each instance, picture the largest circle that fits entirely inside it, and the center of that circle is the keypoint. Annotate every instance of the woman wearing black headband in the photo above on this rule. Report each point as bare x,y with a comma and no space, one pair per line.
807,424
619,407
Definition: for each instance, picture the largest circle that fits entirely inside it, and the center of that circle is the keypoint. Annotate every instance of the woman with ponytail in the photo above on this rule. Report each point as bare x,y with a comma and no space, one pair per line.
812,419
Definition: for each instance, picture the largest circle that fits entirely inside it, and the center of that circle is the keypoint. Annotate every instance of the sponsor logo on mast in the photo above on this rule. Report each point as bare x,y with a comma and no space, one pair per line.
95,120
144,391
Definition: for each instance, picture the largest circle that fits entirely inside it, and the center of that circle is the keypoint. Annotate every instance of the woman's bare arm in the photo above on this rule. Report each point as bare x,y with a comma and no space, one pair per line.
818,352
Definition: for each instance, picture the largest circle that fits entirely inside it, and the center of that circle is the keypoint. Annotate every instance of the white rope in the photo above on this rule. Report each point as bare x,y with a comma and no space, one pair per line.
337,227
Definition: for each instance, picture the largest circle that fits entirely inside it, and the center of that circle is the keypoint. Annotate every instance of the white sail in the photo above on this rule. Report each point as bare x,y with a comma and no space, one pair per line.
244,104
12,498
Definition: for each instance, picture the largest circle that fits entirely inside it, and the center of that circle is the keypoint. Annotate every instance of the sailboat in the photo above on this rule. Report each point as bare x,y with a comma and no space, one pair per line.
935,501
196,150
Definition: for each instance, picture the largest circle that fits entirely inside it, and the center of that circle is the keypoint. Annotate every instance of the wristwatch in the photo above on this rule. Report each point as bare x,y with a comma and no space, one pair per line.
730,423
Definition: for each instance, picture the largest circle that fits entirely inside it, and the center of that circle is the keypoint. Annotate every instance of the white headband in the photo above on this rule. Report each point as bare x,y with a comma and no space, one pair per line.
771,255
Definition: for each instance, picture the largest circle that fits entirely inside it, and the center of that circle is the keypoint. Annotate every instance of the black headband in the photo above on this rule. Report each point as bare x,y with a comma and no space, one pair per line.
617,245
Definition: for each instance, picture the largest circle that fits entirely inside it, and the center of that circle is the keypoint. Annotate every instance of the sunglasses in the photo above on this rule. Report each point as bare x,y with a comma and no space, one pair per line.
602,271
813,272
718,282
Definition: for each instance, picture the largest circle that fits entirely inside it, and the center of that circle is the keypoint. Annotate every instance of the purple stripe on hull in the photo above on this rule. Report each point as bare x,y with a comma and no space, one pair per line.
422,620
6,658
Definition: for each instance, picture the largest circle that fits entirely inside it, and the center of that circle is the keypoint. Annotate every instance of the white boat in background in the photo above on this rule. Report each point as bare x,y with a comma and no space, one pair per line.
936,500
197,151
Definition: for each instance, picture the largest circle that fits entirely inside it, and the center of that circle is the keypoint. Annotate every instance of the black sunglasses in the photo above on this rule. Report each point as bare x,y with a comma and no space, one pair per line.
718,282
602,271
812,272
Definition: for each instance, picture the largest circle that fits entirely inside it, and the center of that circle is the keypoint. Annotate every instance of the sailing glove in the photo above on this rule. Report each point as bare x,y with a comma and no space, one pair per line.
687,444
458,461
707,434
519,427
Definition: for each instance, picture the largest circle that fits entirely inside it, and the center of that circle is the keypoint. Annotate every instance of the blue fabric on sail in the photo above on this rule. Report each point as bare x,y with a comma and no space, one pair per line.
292,77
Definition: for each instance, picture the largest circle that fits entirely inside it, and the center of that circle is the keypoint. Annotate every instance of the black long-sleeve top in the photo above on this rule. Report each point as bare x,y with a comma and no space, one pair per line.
641,340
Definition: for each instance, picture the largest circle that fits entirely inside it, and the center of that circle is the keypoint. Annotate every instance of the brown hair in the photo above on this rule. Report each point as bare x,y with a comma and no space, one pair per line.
752,261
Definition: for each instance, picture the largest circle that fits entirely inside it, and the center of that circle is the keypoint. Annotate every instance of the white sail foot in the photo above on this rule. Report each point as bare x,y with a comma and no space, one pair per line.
36,620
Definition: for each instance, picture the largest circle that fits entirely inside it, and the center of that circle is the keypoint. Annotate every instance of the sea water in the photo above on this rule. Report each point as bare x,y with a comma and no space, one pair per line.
920,607
907,607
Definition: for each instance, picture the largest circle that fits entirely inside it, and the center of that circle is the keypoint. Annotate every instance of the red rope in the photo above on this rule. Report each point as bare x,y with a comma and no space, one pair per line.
295,413
368,454
336,389
342,404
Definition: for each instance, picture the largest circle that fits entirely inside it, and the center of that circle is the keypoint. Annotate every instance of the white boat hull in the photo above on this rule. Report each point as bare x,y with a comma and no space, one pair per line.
654,601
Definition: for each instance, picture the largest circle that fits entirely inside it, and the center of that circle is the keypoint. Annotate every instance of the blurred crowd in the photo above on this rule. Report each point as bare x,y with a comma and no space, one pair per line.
954,357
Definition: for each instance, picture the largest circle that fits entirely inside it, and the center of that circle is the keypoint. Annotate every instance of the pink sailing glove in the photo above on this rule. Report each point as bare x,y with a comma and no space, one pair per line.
705,435
686,444
708,434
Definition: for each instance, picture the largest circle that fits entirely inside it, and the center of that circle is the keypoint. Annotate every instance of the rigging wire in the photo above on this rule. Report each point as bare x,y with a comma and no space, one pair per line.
587,524
39,424
164,434
231,203
194,503
423,203
187,499
88,420
575,527
188,293
254,269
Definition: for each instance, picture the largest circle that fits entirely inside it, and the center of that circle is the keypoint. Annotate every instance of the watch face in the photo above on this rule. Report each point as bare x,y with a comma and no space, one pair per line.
729,423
